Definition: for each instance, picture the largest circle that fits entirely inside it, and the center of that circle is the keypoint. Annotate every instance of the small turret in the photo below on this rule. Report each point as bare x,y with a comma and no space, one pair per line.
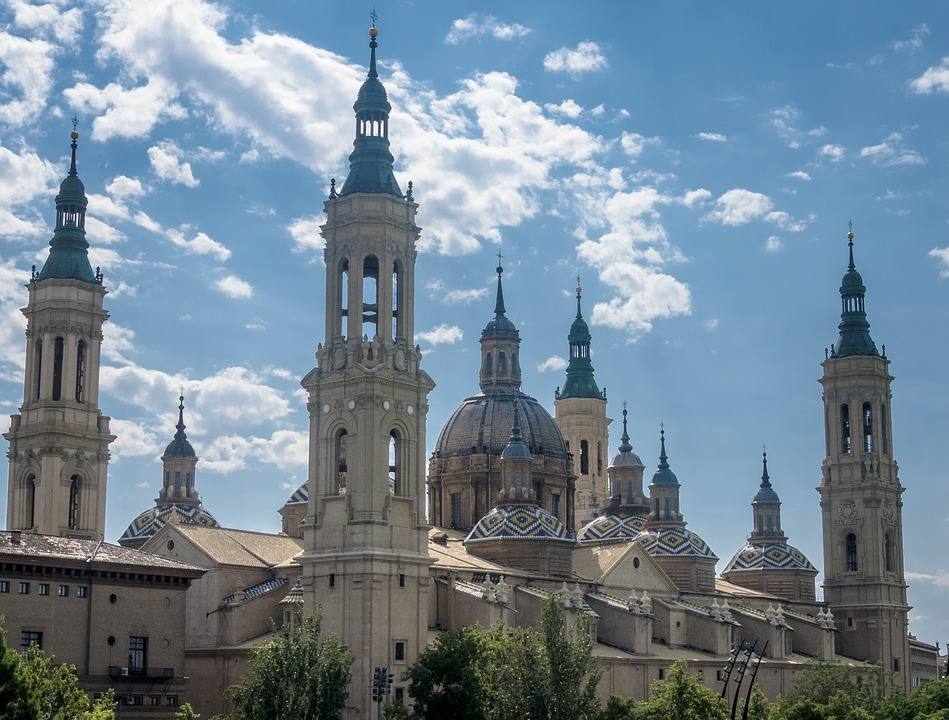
580,381
500,341
854,327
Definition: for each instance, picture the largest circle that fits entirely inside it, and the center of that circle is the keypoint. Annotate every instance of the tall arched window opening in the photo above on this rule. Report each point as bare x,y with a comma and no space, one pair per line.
30,514
80,371
39,368
502,363
867,427
342,298
395,463
489,364
889,549
370,296
74,492
852,552
885,444
339,463
397,327
584,458
599,458
845,441
58,347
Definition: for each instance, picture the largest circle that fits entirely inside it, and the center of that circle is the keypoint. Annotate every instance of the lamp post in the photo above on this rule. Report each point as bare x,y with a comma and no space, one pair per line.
381,682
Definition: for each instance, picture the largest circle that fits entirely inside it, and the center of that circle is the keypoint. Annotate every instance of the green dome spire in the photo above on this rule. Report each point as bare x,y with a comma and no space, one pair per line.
370,163
68,250
580,381
854,328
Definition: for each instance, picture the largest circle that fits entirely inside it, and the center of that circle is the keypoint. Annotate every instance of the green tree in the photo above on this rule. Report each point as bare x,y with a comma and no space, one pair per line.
619,708
445,682
681,696
186,712
574,672
54,688
295,676
16,700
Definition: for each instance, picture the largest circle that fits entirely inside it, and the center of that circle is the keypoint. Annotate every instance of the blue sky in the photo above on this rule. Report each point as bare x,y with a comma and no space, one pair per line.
696,166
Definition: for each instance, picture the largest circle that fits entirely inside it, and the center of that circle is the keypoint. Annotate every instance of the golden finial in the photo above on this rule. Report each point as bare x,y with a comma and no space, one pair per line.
74,135
373,31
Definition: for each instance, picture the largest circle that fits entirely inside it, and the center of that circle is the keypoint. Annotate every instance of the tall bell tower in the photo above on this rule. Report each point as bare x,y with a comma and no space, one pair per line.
366,562
59,443
861,502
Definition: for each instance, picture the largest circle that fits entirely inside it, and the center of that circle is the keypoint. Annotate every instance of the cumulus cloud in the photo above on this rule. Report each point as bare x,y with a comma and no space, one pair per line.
24,177
940,579
711,325
126,112
49,18
286,449
305,232
712,137
584,58
27,77
800,175
132,439
934,80
773,244
117,343
891,152
233,287
453,296
691,198
124,188
476,26
166,162
739,206
633,143
553,363
941,255
200,244
834,153
568,108
441,335
13,296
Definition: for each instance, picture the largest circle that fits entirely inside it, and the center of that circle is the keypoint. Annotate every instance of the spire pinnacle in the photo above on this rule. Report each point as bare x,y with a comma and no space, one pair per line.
663,458
765,478
579,295
625,447
850,236
74,136
181,416
499,300
373,34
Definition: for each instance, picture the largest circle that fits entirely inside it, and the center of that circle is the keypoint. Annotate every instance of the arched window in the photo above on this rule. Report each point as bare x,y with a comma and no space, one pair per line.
885,445
395,463
58,368
599,458
370,296
584,458
74,492
513,363
80,370
489,364
30,514
665,508
39,367
502,363
342,299
845,441
655,511
867,427
397,327
340,462
888,553
852,552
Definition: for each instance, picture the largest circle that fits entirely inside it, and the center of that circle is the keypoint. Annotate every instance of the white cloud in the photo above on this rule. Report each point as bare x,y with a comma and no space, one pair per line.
24,177
773,244
441,335
255,324
739,207
454,296
800,175
633,144
126,112
475,25
27,77
13,296
585,57
691,198
305,232
940,579
711,324
915,40
117,342
132,439
942,257
233,287
568,108
286,449
712,137
934,79
101,232
835,153
123,289
784,121
64,25
554,362
891,152
166,162
200,244
124,188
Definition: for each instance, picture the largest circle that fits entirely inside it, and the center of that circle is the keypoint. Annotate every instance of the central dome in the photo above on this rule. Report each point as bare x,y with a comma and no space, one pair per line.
482,423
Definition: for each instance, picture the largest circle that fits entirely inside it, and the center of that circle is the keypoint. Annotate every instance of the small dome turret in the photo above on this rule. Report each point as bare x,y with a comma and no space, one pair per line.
854,338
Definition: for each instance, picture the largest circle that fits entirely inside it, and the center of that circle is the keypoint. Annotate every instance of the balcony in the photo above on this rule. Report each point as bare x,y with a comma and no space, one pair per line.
134,674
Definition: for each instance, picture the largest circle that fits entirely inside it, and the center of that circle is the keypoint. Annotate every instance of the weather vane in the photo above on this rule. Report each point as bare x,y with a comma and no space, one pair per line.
373,16
75,122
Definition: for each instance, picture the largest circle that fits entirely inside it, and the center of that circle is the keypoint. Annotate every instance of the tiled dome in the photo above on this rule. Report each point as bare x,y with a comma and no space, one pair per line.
771,556
482,423
611,527
674,542
300,495
528,522
155,518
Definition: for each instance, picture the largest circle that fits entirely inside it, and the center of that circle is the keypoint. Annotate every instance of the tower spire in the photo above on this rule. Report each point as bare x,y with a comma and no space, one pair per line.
625,446
663,458
765,479
854,338
499,299
73,136
580,381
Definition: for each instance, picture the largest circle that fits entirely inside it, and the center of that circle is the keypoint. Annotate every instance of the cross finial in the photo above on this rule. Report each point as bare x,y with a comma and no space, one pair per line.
373,16
500,269
75,122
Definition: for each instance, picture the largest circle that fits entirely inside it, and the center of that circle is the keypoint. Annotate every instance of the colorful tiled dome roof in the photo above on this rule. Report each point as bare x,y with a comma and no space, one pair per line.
525,522
612,528
674,542
300,495
772,556
155,518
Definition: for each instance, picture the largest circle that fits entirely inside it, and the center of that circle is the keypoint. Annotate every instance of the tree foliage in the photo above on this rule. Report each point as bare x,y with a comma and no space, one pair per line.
295,676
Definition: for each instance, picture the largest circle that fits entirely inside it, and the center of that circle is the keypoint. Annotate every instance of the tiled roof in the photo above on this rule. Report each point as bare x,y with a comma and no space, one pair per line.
155,518
519,522
772,556
228,546
675,542
612,528
261,588
95,552
300,495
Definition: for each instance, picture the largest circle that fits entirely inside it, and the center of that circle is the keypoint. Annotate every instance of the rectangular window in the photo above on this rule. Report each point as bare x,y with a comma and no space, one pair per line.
401,580
400,650
4,586
138,649
82,591
400,696
896,664
42,589
456,511
332,580
137,700
154,700
171,700
555,505
662,673
24,588
31,637
63,591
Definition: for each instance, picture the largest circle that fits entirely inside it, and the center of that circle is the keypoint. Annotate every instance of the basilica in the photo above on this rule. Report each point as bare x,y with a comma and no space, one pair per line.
394,542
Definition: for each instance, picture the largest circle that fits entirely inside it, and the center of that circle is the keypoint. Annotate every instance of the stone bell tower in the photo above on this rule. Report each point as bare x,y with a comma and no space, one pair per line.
59,443
861,494
366,562
581,416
